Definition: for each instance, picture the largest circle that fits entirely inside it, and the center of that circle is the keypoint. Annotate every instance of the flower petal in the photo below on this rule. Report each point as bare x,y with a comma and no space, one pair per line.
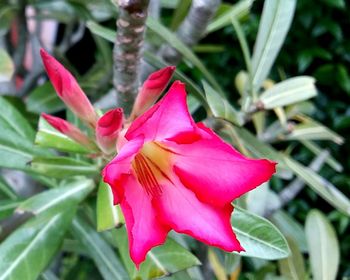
215,171
179,208
165,119
120,165
144,229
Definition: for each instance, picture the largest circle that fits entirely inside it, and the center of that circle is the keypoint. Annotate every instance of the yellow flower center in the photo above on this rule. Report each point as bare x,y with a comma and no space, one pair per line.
151,166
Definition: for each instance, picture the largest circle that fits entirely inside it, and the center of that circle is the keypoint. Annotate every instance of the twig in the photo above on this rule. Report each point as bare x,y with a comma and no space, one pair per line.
127,50
292,190
20,47
192,29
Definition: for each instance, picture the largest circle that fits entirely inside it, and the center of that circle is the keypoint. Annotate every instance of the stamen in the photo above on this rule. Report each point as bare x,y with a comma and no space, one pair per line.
145,175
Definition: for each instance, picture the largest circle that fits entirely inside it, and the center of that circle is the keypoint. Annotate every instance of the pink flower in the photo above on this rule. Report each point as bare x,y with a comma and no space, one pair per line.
68,89
108,128
175,174
151,89
68,129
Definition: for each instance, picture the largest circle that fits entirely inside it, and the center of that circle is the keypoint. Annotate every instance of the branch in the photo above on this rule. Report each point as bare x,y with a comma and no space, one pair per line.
127,50
292,190
192,29
20,47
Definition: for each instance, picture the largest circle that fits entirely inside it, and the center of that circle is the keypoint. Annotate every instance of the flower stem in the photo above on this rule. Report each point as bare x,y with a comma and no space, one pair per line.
127,50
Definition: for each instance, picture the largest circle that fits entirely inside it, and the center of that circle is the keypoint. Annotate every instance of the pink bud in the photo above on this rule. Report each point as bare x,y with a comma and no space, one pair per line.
68,89
108,128
151,89
68,129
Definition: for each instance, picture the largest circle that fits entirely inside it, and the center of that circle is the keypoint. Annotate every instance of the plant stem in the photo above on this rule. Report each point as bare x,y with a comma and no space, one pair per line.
127,50
192,29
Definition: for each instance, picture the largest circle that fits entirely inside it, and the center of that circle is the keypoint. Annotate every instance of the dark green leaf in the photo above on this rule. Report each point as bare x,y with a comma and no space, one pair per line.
103,255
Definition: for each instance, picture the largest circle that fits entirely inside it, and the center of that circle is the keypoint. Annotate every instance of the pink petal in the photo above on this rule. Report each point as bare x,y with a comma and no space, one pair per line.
68,89
143,227
108,128
180,208
151,89
215,171
121,165
165,119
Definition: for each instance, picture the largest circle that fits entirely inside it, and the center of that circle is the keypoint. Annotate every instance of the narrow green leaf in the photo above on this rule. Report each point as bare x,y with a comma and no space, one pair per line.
312,130
49,137
108,215
17,151
290,228
7,207
62,167
71,192
320,185
6,189
237,11
259,237
220,107
293,267
102,254
6,66
27,251
331,161
323,246
180,13
290,91
171,38
161,261
274,24
44,99
11,119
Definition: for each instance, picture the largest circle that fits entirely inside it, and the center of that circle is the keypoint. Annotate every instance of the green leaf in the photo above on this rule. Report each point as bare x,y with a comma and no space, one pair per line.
237,11
11,119
7,207
290,228
49,137
259,237
108,215
44,99
71,192
312,130
6,66
274,24
293,267
323,246
161,260
17,151
257,199
180,13
320,185
62,167
7,190
177,44
102,254
220,107
27,251
290,91
331,161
